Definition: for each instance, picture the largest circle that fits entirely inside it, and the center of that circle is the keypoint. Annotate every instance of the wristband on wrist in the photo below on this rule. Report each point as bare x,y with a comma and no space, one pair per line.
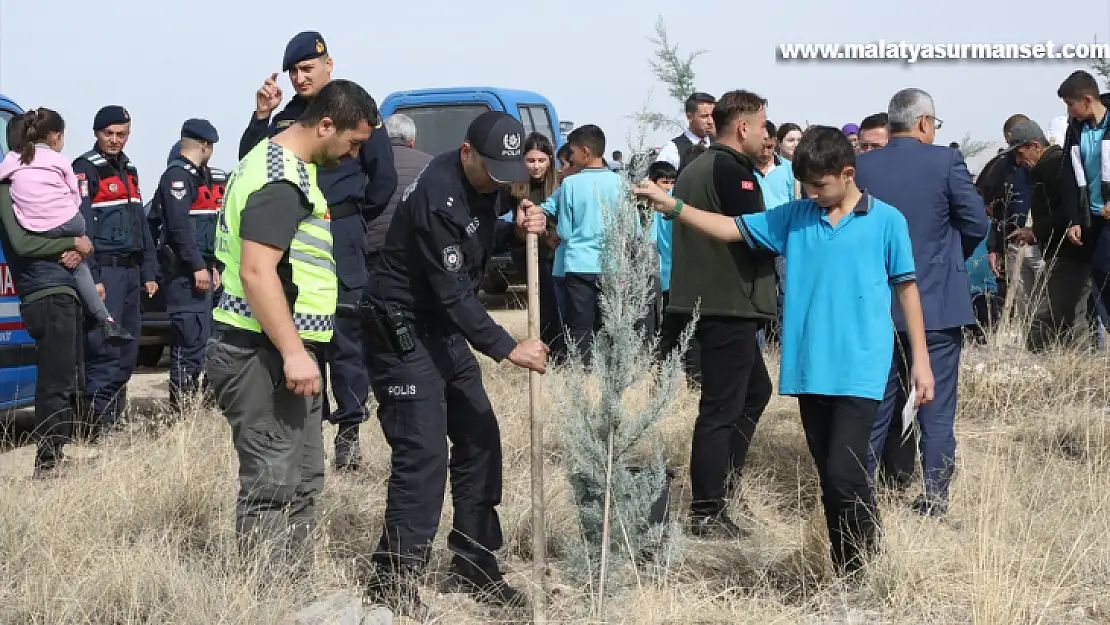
674,211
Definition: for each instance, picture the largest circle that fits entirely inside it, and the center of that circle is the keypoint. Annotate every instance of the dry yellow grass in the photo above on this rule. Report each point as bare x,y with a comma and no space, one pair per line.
143,534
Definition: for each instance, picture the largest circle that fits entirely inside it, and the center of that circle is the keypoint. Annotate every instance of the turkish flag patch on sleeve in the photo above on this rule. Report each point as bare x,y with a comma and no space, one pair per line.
747,185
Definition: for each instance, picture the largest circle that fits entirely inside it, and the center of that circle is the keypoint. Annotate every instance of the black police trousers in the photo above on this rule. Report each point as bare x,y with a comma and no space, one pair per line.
426,397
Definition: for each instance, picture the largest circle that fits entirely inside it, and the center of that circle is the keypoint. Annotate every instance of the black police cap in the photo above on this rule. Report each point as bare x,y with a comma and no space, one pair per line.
302,47
199,129
109,116
499,139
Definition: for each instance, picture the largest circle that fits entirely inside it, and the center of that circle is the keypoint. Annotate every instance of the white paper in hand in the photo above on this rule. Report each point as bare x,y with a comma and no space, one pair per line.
909,412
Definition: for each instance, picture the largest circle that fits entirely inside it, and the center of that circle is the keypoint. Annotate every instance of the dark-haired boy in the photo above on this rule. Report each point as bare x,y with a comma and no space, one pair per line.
1086,151
663,175
836,341
580,205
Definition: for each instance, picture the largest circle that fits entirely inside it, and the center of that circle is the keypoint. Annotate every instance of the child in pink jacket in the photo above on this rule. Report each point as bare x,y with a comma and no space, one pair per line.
46,200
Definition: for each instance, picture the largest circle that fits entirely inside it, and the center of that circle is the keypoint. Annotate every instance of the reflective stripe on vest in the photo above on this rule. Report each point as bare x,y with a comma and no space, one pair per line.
303,322
310,252
114,190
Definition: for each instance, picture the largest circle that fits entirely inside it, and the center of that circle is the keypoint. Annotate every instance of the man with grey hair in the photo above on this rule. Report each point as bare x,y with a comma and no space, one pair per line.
400,127
409,163
932,187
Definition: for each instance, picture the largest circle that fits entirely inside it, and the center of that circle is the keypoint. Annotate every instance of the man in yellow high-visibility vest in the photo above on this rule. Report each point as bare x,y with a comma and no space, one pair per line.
274,241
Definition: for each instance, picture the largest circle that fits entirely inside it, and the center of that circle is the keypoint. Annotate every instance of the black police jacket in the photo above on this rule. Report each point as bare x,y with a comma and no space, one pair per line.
368,180
435,252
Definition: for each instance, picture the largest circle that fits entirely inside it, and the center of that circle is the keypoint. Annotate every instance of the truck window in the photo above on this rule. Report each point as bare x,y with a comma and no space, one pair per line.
536,119
5,116
442,127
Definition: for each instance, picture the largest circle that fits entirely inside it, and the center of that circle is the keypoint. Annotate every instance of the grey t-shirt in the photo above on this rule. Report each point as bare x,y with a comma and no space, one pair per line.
271,217
273,213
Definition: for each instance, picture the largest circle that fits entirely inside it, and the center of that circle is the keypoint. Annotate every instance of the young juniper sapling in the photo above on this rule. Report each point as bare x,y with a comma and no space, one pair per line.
616,473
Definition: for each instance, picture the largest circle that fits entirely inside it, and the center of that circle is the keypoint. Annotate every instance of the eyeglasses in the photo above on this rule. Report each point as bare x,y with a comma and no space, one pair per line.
867,147
936,120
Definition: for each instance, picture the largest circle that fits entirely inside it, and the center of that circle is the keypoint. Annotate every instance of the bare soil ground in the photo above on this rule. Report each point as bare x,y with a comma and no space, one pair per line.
142,532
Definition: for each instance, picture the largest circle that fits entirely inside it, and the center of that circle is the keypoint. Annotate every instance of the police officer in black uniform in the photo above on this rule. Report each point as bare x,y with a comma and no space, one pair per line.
183,221
422,314
357,190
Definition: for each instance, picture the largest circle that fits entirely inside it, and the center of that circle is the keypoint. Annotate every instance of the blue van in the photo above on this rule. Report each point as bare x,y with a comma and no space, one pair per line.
442,116
17,348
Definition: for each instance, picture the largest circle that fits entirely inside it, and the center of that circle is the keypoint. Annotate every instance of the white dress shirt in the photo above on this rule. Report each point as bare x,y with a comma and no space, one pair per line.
670,153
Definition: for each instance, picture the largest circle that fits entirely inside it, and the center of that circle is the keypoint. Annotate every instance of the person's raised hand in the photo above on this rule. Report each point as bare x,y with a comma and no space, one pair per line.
268,98
530,354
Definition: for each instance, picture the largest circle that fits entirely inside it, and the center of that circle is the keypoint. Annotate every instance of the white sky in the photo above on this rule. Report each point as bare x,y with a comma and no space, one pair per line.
589,57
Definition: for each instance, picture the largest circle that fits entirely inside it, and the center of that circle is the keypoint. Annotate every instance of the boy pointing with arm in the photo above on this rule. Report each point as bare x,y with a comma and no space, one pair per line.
837,341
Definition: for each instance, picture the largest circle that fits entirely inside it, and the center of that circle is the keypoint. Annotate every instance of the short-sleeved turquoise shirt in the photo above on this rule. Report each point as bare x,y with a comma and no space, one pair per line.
837,335
1090,149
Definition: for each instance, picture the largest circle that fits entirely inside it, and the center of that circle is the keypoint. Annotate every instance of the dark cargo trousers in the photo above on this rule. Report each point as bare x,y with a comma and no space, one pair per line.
425,397
345,364
108,369
278,438
190,314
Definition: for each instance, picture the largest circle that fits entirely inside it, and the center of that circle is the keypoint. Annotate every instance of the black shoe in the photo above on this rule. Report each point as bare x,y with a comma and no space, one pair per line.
485,586
927,508
400,593
47,462
115,334
717,526
347,453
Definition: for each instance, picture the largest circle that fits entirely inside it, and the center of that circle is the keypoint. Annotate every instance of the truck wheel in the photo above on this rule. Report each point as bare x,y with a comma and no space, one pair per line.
150,355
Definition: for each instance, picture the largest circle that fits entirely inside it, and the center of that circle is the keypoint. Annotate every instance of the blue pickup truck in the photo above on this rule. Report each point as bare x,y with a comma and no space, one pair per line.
442,116
17,348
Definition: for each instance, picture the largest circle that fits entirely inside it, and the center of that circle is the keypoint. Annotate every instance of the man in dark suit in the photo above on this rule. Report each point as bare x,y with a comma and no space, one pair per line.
932,187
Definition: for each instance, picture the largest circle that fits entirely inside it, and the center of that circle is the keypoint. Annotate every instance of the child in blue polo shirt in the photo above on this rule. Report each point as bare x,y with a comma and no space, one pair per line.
837,336
580,206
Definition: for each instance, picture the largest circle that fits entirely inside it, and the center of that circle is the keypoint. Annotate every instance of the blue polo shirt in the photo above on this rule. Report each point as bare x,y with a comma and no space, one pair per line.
777,186
1090,147
581,205
837,334
549,206
663,247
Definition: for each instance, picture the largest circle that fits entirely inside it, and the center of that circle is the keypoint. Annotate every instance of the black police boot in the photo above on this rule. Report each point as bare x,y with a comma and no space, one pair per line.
48,457
485,584
717,526
115,334
398,591
347,454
